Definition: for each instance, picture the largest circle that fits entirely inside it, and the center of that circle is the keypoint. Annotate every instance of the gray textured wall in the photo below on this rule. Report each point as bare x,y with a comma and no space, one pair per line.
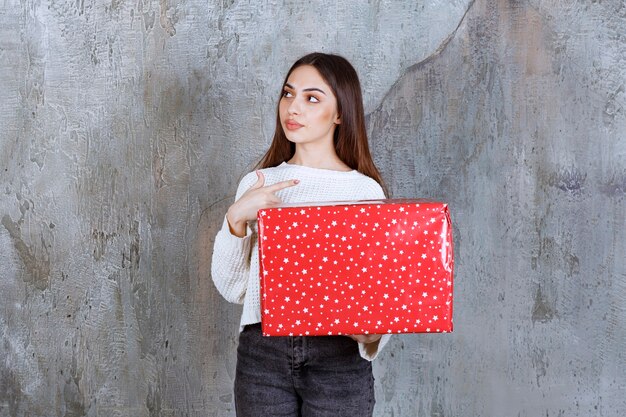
125,127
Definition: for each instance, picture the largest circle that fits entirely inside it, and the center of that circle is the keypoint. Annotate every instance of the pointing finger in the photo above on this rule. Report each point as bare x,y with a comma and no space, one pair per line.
260,180
281,185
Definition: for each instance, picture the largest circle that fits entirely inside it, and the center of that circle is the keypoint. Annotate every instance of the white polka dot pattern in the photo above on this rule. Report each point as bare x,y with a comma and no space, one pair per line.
368,268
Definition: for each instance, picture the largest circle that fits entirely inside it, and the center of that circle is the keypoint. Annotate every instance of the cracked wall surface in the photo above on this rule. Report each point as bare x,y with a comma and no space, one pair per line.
125,127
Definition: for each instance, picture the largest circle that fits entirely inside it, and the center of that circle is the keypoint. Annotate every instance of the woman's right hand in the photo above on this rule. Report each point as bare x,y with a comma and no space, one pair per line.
255,198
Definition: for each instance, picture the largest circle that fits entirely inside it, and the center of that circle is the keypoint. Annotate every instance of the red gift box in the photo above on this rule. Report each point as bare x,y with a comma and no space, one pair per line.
356,267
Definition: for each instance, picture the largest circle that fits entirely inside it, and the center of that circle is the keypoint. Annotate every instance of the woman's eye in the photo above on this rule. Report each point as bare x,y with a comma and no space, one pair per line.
313,99
286,93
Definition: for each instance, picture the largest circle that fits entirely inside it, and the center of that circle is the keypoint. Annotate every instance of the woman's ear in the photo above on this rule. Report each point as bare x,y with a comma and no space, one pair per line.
338,120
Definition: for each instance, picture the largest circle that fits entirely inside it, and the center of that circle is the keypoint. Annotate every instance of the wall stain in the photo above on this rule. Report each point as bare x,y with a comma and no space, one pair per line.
115,4
226,398
436,409
149,17
73,399
614,186
418,66
571,180
153,401
101,240
131,260
158,166
540,363
38,267
613,108
167,22
550,251
10,391
542,311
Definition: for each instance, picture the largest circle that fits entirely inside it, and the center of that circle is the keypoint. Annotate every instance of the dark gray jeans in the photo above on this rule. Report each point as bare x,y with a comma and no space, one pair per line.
315,376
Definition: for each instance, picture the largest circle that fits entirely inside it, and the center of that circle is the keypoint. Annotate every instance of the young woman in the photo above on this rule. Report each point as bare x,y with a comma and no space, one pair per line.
319,153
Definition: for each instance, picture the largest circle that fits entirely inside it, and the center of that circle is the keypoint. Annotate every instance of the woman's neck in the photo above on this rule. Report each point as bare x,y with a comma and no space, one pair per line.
328,160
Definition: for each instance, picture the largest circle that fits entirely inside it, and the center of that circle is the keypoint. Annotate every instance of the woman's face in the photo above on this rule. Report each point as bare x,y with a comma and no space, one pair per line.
308,107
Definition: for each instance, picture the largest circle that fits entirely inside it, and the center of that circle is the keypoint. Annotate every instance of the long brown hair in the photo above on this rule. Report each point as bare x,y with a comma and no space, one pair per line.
350,136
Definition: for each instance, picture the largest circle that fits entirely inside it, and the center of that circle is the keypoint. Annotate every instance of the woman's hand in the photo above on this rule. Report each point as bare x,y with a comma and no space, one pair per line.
365,338
257,197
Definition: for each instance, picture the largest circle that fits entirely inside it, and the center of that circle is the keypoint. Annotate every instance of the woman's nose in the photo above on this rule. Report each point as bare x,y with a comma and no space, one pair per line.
294,106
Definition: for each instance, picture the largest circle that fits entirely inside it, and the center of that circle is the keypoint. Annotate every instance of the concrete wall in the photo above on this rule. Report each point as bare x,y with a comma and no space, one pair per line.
125,127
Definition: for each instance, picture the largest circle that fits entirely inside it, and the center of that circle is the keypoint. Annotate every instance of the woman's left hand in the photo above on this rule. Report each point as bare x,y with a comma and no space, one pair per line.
365,338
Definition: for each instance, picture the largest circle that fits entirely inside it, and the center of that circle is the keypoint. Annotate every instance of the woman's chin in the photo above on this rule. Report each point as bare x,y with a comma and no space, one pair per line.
295,138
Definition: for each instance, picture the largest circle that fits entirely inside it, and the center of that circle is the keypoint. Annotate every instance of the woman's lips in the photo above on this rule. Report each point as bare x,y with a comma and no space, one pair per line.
291,125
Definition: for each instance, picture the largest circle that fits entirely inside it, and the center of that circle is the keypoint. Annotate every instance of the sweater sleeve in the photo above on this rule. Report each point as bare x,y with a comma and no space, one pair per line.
370,351
230,264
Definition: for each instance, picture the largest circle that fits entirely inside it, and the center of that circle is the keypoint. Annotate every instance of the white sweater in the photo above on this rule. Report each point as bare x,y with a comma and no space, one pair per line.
235,263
